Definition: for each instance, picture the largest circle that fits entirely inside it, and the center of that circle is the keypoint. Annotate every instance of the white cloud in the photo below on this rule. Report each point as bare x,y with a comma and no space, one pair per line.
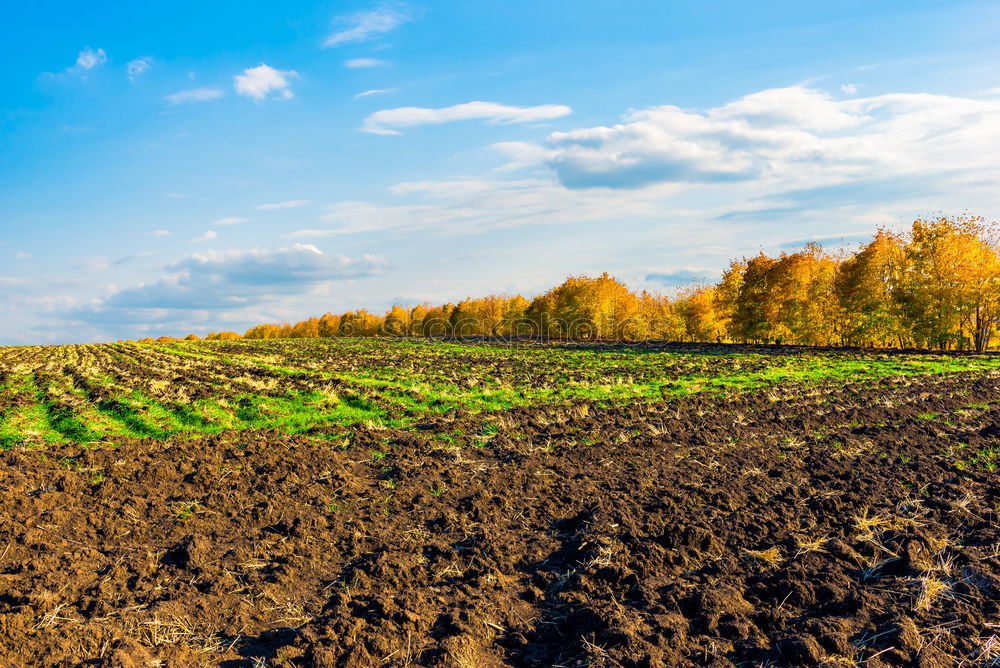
359,63
375,91
520,154
159,233
290,204
473,205
194,95
228,279
795,137
362,26
258,82
8,282
23,256
208,236
136,67
849,88
387,121
793,158
231,220
89,58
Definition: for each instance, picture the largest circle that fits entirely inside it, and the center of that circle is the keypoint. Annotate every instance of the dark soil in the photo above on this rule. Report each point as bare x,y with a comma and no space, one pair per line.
829,525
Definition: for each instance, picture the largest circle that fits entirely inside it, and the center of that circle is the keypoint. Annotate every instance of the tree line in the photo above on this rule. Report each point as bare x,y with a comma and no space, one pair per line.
936,285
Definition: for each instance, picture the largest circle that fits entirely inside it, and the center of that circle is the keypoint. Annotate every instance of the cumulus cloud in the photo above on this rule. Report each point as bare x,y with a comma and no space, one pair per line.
231,220
290,204
160,233
89,58
136,67
362,26
194,95
796,136
234,279
261,81
360,63
387,121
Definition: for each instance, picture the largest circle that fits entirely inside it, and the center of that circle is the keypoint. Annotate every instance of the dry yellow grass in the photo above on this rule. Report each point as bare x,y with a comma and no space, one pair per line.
805,545
770,557
931,588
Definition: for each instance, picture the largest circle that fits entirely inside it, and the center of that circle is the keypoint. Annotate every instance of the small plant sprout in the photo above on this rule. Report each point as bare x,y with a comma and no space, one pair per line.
185,509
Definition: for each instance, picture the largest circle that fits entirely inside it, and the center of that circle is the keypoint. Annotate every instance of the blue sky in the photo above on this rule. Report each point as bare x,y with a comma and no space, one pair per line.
168,168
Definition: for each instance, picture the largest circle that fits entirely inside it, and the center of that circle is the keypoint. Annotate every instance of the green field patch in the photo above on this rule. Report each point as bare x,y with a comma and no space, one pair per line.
399,382
24,419
63,420
129,417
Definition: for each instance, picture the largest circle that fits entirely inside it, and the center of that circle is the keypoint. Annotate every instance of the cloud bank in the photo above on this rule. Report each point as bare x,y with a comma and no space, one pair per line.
785,158
234,279
794,135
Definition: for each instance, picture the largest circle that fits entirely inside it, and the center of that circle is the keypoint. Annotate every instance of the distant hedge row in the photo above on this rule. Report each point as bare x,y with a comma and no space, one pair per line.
935,286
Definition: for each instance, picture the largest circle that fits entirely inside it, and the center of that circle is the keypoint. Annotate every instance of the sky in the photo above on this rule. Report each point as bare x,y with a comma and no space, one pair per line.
186,167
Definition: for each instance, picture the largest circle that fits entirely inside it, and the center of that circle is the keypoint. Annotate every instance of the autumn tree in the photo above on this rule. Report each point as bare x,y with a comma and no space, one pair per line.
659,318
307,329
727,297
586,307
329,325
695,308
865,286
752,318
948,282
800,302
396,322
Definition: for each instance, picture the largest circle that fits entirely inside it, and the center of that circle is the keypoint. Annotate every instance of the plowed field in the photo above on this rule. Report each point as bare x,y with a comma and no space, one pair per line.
395,503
